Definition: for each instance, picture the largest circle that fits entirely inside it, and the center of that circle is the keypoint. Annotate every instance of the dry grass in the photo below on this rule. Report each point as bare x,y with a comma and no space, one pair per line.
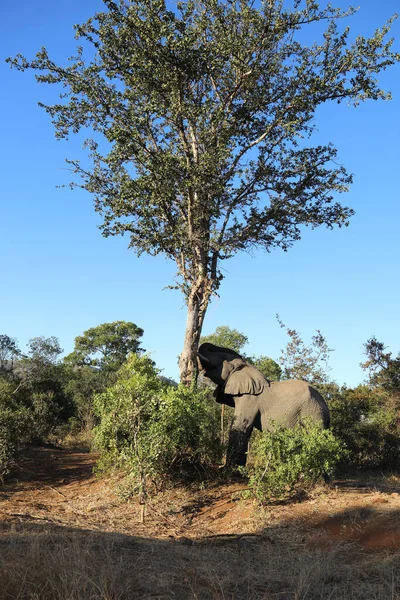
64,535
49,566
82,440
59,565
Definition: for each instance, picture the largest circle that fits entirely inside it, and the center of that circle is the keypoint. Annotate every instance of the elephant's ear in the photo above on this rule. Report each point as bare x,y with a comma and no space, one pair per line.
245,380
223,398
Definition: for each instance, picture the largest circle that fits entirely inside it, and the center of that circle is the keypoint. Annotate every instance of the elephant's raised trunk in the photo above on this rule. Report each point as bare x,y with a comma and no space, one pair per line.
204,361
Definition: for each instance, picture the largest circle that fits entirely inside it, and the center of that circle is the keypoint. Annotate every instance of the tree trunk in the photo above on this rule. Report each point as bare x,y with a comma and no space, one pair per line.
196,309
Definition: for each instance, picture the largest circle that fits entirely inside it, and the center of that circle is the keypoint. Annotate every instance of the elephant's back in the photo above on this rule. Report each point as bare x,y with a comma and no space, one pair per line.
305,400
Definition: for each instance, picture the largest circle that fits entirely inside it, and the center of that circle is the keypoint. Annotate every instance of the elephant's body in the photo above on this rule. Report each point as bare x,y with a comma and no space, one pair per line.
286,403
257,402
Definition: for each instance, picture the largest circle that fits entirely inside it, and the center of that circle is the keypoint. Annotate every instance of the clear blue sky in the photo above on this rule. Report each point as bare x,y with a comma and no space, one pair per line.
59,276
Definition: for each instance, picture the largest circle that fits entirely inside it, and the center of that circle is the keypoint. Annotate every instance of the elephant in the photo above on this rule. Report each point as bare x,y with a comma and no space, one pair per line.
258,402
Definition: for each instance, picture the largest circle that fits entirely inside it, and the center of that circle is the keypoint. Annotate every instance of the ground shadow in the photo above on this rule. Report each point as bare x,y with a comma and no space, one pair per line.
371,528
42,465
366,481
65,562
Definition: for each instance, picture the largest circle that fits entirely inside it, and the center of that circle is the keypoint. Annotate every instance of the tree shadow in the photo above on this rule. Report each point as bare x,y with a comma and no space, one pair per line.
282,562
370,527
367,481
41,465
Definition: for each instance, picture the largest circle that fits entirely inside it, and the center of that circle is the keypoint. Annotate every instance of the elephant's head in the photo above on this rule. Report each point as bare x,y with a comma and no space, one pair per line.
232,374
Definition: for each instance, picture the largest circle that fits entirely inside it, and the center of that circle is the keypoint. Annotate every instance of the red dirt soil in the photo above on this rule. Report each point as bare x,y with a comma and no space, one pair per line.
58,487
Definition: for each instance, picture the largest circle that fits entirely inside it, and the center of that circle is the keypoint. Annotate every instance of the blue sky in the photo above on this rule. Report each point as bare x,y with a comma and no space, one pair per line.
59,276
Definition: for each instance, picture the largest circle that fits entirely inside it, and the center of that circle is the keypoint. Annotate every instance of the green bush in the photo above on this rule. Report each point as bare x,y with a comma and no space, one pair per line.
287,459
44,412
149,429
81,385
12,430
13,424
366,420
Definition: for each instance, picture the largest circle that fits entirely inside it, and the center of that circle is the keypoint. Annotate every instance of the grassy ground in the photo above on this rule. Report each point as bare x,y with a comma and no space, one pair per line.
66,535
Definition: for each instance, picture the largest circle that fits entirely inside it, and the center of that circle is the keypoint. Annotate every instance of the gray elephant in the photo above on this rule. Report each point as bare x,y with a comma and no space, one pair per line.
257,402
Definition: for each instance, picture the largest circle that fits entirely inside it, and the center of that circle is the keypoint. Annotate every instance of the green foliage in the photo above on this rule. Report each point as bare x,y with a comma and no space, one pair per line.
44,412
268,367
288,458
36,386
9,350
14,425
366,420
12,429
227,338
106,346
42,387
309,363
81,385
92,366
207,112
44,350
149,429
384,369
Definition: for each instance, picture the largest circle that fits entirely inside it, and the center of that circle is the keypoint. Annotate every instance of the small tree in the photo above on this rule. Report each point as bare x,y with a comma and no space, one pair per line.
9,351
207,111
150,430
383,368
14,419
81,385
309,363
43,386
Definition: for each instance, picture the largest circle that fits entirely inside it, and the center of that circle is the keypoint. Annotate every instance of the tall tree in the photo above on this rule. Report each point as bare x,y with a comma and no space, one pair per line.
106,346
207,110
46,350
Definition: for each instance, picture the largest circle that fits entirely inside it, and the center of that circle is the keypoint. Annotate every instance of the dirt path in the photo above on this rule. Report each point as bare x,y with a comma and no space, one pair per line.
58,487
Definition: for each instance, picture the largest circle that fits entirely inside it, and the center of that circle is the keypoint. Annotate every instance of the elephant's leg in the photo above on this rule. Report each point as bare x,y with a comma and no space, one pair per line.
244,420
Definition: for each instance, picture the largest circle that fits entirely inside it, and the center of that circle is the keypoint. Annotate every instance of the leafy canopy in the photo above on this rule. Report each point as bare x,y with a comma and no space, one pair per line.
46,350
107,346
268,367
310,363
206,112
288,459
151,430
383,368
227,338
8,350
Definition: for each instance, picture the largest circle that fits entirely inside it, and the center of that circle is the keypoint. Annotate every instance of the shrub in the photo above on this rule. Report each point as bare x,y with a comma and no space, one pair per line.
366,420
12,429
282,460
44,412
149,429
13,424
